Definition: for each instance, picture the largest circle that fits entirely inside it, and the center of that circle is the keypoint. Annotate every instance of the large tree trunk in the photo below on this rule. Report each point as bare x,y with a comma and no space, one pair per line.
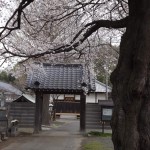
131,82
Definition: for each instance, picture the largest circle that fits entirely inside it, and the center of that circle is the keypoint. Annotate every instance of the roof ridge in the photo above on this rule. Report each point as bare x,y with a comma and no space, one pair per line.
61,64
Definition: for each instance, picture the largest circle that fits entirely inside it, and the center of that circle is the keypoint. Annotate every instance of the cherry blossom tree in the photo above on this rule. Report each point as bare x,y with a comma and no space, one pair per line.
50,28
77,25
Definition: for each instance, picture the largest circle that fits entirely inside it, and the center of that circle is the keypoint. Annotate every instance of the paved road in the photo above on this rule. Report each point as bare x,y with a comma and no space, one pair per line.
63,137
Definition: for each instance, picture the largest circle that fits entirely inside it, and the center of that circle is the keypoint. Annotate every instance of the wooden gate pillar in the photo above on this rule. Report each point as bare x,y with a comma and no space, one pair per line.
82,111
38,111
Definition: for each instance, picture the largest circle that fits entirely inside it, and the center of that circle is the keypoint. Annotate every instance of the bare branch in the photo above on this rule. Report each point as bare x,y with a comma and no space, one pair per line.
6,30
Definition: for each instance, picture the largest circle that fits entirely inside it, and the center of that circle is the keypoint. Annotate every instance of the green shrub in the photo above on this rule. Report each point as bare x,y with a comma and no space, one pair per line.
94,146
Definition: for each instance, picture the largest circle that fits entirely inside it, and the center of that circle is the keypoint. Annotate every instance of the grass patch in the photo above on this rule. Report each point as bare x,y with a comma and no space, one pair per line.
96,133
94,146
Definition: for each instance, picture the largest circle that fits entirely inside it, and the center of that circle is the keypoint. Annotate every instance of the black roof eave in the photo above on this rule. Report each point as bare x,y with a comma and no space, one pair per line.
58,91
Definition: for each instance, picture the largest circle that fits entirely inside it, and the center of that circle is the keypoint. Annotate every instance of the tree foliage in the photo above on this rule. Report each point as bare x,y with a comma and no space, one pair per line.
7,77
105,62
53,27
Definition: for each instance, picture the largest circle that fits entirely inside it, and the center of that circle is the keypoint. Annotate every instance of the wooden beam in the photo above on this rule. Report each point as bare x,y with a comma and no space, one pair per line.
41,110
56,91
45,111
82,111
38,112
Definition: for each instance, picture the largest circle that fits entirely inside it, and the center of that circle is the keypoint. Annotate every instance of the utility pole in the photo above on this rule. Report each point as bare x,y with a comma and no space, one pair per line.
106,73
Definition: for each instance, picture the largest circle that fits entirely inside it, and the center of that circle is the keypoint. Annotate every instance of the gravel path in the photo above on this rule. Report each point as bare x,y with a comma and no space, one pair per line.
61,135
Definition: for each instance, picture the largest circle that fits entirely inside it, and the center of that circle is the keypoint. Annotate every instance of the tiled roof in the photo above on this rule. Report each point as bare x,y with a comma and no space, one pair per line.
101,87
56,77
27,97
8,87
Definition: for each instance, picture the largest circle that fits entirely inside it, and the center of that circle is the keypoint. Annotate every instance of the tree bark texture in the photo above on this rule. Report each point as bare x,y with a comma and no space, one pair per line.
131,82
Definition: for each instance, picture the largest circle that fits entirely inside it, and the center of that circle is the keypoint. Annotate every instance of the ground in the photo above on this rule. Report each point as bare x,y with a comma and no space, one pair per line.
103,143
61,135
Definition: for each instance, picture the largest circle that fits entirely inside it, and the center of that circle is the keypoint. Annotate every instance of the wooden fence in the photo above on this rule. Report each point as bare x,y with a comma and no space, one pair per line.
67,107
24,112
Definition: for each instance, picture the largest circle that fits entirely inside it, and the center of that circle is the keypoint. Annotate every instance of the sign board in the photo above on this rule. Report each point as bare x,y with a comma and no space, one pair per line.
106,113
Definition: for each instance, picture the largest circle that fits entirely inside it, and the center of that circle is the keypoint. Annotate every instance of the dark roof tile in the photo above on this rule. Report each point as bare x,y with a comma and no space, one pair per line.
59,76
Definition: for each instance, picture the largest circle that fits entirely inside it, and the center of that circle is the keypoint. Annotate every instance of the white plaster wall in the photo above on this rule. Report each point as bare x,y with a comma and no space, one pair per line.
77,97
60,96
94,97
101,96
91,98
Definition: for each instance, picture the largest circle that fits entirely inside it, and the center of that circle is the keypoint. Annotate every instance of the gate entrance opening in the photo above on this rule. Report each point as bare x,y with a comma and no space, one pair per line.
59,79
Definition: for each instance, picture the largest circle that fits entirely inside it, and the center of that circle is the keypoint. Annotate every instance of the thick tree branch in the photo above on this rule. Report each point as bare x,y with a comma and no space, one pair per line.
95,25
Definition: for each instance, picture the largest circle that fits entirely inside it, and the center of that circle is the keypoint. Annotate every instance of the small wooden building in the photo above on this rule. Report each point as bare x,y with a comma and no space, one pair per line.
10,92
23,109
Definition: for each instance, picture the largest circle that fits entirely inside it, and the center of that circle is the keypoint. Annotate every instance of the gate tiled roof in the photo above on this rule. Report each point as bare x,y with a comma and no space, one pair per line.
58,77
